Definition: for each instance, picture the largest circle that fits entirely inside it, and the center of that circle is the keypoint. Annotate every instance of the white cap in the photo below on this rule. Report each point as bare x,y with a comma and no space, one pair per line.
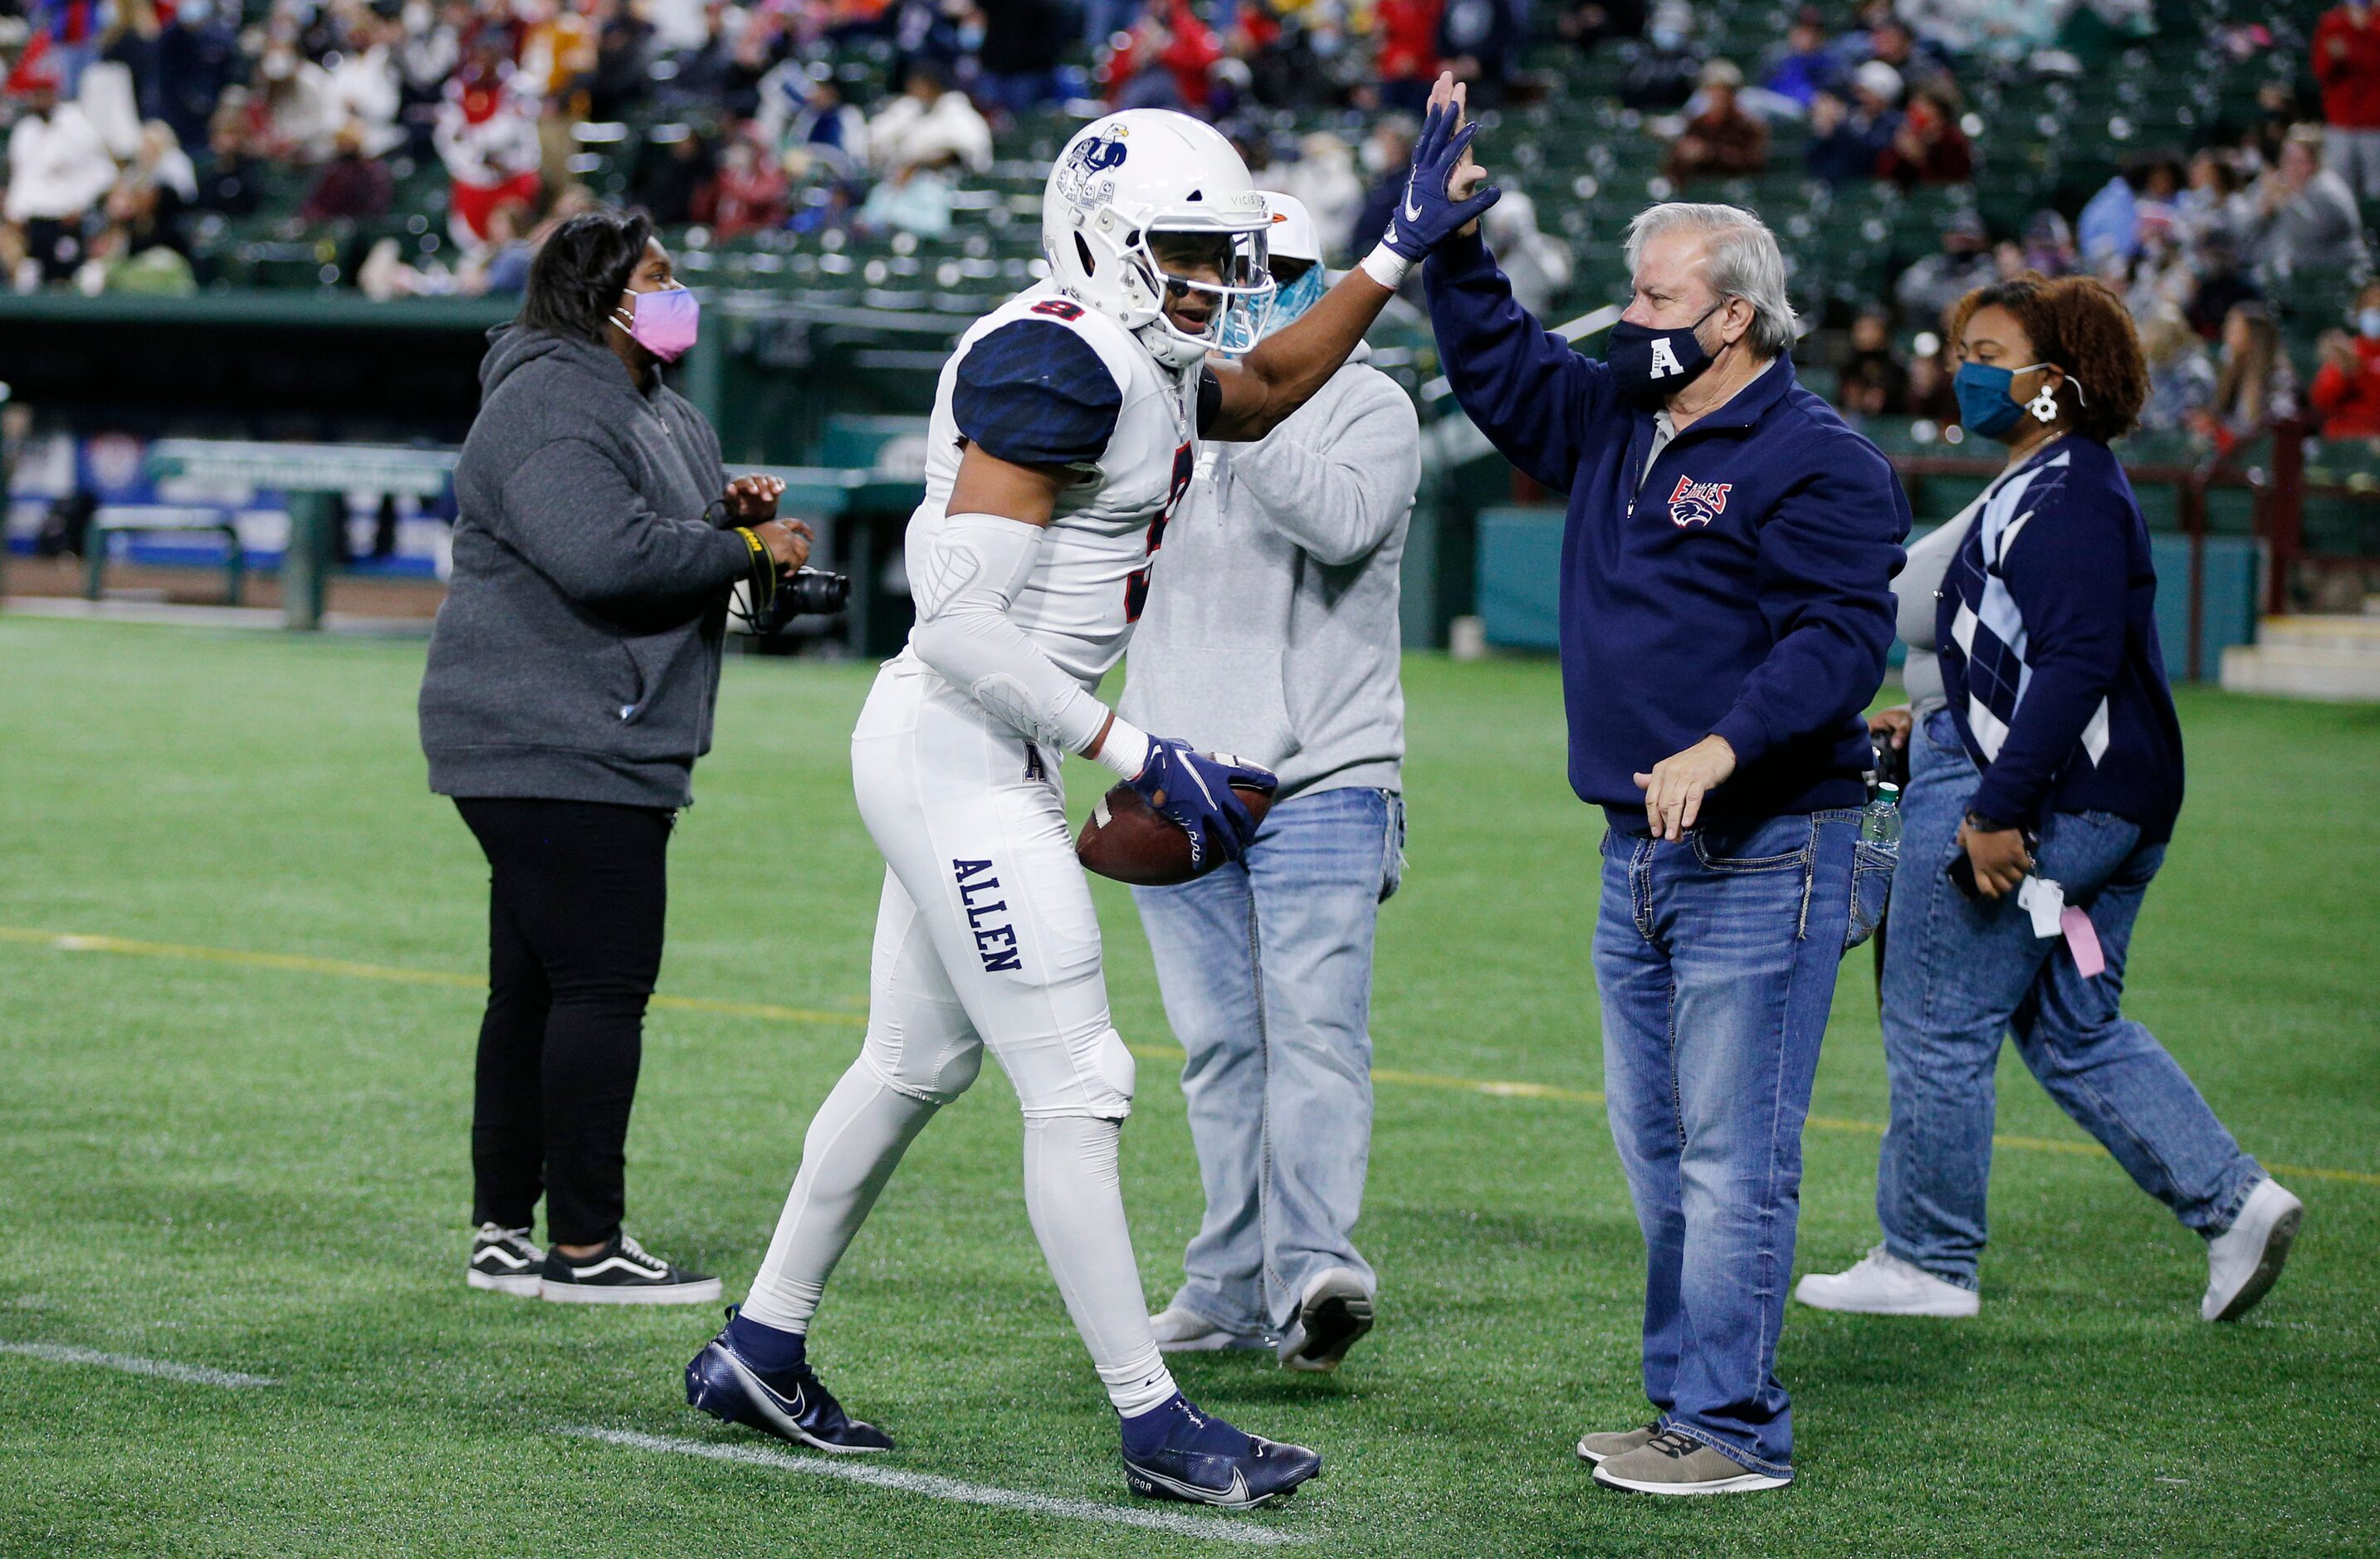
1292,235
1879,80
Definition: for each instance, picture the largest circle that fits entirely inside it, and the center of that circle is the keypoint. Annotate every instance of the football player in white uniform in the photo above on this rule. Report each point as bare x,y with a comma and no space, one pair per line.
1065,427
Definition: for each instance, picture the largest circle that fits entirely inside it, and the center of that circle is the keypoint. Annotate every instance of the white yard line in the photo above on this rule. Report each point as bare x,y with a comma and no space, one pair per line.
195,1374
933,1487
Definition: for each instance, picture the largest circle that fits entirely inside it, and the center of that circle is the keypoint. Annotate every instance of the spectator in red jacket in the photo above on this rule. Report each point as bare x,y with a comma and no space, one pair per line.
2345,391
2347,63
1928,148
1163,62
1190,53
1408,57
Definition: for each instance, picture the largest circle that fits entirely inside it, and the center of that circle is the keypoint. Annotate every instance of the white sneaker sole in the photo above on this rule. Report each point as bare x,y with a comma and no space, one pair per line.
706,1292
524,1285
1596,1459
1940,1306
1214,1342
1746,1484
1333,1319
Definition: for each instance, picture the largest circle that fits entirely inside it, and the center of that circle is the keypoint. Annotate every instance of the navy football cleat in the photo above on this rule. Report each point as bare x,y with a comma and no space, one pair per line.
790,1404
1188,1454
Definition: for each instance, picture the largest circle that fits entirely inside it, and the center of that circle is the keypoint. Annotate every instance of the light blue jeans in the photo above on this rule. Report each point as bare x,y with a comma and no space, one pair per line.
1266,967
1957,975
1716,956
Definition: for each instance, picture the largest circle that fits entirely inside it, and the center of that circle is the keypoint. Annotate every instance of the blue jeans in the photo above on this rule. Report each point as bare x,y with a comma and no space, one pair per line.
1958,975
1266,967
1716,956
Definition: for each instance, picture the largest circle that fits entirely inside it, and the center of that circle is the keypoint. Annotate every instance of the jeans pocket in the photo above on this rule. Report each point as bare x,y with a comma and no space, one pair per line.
1777,844
1873,863
1392,852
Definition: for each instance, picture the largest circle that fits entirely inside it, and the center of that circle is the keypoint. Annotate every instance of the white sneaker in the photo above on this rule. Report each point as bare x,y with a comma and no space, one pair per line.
1180,1330
1882,1283
2243,1261
1334,1313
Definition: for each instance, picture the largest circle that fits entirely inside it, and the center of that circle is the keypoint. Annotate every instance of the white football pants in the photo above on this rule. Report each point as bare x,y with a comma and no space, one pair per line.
984,936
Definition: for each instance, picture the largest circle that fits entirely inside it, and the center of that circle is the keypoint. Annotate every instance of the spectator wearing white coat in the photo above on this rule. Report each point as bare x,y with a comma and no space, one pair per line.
1538,263
59,170
365,86
1324,180
1271,632
918,145
927,127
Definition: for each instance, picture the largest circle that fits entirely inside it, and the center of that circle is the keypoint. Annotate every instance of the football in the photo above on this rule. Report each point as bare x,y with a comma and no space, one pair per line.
1129,840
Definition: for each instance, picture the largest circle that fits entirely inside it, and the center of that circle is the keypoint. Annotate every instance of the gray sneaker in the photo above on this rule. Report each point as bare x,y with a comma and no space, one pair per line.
1596,1449
1671,1463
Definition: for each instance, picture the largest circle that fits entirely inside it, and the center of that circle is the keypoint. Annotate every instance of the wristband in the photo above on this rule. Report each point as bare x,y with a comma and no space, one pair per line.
1387,267
1125,750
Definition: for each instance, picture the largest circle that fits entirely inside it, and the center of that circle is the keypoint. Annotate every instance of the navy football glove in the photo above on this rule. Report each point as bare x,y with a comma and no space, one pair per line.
1192,791
1427,215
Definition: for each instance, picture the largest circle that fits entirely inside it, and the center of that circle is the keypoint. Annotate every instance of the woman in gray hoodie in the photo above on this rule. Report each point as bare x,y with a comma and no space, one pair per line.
571,683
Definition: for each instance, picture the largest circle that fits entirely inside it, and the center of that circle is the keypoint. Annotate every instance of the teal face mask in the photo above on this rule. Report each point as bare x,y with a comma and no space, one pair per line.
1986,406
1297,296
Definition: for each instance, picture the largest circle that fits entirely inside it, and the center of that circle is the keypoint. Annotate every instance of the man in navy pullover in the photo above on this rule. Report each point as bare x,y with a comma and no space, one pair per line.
1726,608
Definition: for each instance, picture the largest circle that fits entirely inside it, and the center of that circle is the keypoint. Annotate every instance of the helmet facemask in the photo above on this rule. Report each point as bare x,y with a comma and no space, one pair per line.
1157,266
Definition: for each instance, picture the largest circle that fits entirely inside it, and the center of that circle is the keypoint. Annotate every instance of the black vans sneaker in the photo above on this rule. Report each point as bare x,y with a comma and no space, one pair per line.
622,1274
506,1260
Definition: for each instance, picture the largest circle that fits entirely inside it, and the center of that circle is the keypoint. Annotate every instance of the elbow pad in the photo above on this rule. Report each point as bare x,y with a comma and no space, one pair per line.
978,565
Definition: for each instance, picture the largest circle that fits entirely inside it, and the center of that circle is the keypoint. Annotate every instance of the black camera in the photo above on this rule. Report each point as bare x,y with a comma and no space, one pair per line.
809,592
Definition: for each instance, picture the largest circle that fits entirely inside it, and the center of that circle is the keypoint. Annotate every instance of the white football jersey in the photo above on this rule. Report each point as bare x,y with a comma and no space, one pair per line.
1085,592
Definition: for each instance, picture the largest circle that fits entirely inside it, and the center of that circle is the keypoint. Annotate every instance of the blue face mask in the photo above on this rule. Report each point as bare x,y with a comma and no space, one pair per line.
1297,298
1986,406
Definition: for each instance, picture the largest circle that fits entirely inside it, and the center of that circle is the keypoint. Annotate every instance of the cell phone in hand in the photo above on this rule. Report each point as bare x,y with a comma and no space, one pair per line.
1961,870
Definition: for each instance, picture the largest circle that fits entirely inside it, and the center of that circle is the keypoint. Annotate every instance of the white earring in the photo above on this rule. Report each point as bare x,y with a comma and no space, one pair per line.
2043,406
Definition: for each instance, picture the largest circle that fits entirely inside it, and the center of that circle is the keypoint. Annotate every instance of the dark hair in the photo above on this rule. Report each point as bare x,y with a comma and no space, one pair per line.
2079,325
581,269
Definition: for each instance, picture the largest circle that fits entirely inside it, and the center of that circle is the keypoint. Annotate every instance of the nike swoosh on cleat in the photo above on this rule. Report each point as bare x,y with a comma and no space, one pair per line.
1233,1498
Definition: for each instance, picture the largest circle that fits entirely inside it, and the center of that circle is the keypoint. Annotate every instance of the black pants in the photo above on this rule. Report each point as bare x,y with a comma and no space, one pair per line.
578,891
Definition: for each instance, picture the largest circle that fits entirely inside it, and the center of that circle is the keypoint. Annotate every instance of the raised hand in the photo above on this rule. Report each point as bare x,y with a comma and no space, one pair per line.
1441,194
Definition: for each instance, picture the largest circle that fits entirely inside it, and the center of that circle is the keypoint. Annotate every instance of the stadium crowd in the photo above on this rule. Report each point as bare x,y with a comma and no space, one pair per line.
131,121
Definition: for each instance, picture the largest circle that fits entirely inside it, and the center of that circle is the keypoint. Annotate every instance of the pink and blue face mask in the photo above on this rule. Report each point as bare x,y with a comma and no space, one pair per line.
662,322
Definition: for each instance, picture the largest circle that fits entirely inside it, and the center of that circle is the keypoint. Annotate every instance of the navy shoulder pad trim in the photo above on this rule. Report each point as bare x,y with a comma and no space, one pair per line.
1036,392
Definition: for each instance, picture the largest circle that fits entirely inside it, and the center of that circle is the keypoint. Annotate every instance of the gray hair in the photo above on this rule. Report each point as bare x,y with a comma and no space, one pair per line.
1741,260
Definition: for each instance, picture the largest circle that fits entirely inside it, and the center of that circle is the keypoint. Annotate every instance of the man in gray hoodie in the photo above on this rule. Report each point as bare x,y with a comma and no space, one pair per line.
1271,633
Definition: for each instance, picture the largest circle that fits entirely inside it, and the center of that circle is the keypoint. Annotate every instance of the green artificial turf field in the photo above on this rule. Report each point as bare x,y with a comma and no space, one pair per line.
259,1165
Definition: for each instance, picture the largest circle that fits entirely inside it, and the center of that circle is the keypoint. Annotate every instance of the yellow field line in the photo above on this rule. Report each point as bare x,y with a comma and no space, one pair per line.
69,942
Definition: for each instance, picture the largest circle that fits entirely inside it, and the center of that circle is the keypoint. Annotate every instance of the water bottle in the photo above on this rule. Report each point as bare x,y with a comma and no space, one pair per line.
1880,819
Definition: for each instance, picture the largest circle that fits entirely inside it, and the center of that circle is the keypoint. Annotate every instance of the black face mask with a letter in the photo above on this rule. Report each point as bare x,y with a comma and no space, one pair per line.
1653,365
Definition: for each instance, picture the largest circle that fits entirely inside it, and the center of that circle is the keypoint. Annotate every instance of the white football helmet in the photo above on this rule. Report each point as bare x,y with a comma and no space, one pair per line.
1152,170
